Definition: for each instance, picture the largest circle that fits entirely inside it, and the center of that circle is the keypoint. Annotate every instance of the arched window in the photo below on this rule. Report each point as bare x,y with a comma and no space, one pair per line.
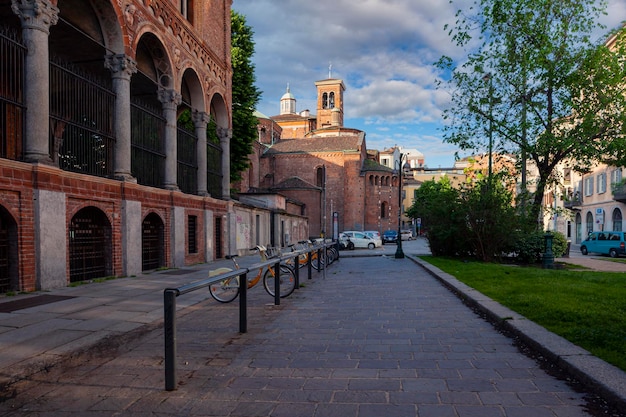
325,100
371,180
331,101
617,220
589,221
319,175
383,210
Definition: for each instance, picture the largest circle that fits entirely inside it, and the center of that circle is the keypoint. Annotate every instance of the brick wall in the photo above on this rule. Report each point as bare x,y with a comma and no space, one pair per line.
19,180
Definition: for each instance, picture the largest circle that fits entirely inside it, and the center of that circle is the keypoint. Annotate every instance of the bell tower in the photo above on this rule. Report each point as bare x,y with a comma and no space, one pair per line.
329,102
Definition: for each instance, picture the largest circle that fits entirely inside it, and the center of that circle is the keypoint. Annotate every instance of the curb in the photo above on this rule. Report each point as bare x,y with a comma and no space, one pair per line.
598,376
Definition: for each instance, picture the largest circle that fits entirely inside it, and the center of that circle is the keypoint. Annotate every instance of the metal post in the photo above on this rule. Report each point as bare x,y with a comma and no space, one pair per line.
399,253
324,264
243,303
169,307
296,271
309,262
277,283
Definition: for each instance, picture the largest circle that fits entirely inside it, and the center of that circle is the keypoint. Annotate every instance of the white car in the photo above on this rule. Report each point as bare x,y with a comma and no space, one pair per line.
359,240
374,234
407,235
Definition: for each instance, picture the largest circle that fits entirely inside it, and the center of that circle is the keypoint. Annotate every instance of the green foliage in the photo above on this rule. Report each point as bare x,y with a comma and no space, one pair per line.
490,217
245,96
584,307
535,83
438,205
559,244
475,220
529,247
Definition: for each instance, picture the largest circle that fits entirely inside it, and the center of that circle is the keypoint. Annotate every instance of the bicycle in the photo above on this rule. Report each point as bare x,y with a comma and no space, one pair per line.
227,289
303,259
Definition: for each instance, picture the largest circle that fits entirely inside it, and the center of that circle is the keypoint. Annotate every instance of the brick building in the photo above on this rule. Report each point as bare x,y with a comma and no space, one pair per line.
115,126
325,166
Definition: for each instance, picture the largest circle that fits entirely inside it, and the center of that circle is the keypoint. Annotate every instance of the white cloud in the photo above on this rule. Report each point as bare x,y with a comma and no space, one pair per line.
384,50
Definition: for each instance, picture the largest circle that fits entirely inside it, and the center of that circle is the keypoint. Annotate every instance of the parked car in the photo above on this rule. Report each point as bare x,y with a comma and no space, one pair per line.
374,234
605,243
407,235
390,236
359,240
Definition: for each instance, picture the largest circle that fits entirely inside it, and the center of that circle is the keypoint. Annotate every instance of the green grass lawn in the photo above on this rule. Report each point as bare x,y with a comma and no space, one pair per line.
588,308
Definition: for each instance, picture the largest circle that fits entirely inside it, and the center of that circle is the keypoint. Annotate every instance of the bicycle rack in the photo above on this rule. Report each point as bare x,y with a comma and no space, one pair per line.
170,294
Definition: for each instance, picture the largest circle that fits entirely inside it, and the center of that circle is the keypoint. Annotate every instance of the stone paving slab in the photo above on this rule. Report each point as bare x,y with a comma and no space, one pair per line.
376,337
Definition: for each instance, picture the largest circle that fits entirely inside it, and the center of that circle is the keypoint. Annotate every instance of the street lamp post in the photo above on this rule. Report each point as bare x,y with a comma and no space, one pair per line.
488,78
399,253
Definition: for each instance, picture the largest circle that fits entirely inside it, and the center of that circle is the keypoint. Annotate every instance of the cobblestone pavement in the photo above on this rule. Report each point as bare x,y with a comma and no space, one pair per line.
377,337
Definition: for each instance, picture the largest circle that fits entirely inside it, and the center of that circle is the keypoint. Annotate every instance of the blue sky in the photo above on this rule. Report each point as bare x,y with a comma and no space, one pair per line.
384,51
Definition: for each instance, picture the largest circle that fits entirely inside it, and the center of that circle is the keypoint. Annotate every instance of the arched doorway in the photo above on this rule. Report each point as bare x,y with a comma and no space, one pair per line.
9,279
90,245
589,221
617,219
152,242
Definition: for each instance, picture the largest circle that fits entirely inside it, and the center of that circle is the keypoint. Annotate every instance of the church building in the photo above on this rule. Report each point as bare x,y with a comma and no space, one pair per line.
325,166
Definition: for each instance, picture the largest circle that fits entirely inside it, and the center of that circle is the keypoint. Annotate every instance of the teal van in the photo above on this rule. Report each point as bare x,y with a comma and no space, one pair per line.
606,243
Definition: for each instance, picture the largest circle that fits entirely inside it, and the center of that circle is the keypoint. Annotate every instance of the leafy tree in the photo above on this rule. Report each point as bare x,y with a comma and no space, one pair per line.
491,218
438,205
245,96
536,86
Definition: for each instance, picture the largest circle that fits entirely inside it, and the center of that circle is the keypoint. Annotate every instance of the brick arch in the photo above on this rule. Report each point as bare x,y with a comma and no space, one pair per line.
190,84
9,252
90,244
219,110
161,71
114,22
153,241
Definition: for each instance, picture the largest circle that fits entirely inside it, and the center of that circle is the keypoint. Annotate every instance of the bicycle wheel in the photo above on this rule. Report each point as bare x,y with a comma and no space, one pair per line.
287,280
225,290
318,263
331,255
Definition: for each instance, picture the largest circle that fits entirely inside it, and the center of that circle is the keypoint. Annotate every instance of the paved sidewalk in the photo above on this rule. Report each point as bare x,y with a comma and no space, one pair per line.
377,337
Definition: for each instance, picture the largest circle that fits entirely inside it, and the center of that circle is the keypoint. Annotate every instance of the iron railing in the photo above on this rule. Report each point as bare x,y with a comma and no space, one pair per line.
81,120
187,178
12,108
147,148
214,169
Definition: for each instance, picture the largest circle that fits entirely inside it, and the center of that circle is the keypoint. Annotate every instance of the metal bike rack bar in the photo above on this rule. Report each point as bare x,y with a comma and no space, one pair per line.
170,294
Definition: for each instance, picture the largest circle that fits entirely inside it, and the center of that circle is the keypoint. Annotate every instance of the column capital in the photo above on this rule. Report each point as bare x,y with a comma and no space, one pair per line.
200,118
170,98
120,65
36,14
224,133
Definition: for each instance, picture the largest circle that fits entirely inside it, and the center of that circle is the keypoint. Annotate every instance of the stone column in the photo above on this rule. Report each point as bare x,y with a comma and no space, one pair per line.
122,67
37,16
170,100
225,134
200,120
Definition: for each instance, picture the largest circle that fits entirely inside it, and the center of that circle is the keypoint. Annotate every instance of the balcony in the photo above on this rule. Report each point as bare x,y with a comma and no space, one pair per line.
573,203
619,192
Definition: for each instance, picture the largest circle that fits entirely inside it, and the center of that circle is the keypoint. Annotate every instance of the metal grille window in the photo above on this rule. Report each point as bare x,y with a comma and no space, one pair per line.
152,243
12,109
192,224
147,149
187,161
81,118
90,245
214,170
